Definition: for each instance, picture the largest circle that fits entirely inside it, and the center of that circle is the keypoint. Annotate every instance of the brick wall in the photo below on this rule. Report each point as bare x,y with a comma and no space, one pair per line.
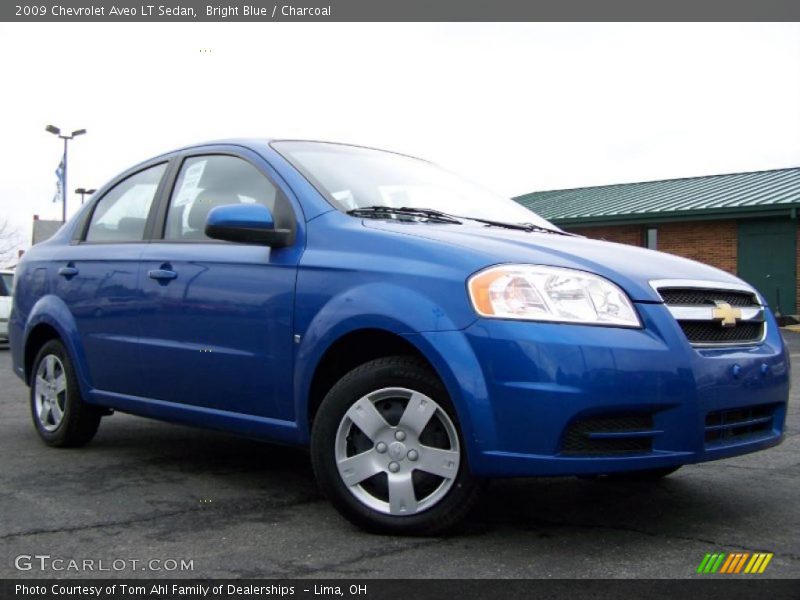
623,234
710,242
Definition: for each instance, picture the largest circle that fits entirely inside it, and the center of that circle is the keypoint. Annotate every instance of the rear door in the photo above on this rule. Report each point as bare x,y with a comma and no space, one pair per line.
217,319
97,277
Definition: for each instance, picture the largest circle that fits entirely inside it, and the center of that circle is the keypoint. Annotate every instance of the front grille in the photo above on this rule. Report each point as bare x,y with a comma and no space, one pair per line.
725,427
709,332
609,435
714,316
695,297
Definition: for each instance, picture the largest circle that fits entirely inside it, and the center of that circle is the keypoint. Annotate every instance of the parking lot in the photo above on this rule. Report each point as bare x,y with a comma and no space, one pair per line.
145,490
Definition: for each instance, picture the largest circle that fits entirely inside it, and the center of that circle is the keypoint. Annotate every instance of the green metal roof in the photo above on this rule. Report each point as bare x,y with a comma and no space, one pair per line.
737,195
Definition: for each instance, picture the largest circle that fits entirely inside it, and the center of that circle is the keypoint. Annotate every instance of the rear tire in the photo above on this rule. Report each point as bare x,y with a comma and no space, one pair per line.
61,417
388,453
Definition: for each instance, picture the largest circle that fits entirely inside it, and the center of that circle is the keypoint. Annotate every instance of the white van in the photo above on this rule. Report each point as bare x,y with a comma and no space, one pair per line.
6,292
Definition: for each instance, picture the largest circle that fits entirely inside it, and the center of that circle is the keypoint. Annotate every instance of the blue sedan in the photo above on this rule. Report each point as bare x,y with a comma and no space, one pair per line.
419,334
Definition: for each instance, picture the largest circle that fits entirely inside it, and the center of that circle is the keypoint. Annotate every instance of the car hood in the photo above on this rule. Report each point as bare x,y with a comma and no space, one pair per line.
630,267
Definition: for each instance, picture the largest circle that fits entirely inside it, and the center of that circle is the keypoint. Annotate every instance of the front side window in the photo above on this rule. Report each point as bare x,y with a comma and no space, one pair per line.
121,214
217,180
351,177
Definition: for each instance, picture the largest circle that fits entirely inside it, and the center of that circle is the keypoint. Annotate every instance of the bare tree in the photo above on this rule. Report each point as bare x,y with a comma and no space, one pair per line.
10,241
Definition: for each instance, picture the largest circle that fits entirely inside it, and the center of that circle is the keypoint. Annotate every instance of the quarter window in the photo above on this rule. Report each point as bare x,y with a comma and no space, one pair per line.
209,181
121,214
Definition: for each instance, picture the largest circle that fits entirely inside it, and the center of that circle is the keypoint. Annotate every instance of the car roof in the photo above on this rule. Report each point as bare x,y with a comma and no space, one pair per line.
251,143
257,143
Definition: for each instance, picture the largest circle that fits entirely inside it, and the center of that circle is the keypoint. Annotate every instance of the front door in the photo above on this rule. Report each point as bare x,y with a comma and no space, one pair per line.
216,324
767,257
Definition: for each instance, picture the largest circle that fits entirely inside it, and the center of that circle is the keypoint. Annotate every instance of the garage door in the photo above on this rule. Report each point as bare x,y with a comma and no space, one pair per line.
767,258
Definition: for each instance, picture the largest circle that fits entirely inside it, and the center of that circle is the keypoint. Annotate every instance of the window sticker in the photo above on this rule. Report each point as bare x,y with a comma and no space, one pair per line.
189,188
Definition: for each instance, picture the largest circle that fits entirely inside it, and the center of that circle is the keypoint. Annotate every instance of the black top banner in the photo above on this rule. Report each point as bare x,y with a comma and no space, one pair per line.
402,10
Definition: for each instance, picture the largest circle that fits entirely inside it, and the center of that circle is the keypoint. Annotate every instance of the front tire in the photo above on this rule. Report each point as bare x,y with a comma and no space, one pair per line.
387,451
60,415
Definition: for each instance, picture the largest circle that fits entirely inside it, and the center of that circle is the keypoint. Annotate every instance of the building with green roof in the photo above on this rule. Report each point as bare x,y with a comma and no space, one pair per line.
743,223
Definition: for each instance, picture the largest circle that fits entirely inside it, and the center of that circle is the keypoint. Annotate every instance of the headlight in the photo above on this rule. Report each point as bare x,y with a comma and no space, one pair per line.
538,293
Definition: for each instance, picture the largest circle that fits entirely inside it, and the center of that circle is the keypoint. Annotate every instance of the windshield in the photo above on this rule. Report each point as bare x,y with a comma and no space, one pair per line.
351,177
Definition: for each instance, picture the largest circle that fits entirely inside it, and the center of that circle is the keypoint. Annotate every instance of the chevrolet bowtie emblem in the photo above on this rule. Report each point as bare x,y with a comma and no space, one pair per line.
726,314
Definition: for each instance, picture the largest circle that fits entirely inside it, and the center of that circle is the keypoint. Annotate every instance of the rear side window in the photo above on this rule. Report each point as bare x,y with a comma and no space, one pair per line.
216,180
121,214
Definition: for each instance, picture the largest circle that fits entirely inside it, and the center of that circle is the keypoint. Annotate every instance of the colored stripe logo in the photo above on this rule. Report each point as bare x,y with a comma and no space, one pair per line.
735,562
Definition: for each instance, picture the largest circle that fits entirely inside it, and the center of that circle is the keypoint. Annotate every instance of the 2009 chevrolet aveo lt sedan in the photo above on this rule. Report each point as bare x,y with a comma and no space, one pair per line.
418,333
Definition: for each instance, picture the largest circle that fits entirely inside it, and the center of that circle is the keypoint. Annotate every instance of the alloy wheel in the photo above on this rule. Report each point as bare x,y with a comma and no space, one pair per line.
397,451
50,392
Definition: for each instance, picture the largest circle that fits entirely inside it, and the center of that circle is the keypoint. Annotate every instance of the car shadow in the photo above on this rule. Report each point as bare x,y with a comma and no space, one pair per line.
187,449
683,502
159,452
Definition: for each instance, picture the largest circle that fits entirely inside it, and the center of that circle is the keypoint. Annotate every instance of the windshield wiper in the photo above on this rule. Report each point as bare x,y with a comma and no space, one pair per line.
404,211
543,229
529,227
443,217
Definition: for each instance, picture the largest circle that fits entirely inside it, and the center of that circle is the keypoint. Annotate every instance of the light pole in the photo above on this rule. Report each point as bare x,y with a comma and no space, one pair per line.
84,192
56,131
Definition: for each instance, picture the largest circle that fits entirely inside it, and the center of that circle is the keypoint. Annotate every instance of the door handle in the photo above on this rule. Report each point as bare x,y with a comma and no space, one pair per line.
162,274
68,271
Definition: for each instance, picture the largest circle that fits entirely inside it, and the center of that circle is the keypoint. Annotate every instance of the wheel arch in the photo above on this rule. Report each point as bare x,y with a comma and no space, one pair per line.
446,353
51,319
347,352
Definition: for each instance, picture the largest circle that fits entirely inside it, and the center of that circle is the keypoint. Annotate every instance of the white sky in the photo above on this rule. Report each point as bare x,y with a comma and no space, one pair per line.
517,107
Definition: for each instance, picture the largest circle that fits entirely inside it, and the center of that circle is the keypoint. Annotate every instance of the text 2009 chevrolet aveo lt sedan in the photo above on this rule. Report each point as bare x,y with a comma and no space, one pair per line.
418,333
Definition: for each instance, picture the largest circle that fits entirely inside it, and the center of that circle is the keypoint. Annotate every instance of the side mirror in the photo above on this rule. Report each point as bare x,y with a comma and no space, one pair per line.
246,223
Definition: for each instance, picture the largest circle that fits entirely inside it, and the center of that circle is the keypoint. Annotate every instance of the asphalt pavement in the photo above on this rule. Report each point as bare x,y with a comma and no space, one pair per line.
145,496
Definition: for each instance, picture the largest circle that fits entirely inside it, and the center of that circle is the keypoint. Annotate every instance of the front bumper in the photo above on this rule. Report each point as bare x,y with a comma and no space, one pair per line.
4,329
558,399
